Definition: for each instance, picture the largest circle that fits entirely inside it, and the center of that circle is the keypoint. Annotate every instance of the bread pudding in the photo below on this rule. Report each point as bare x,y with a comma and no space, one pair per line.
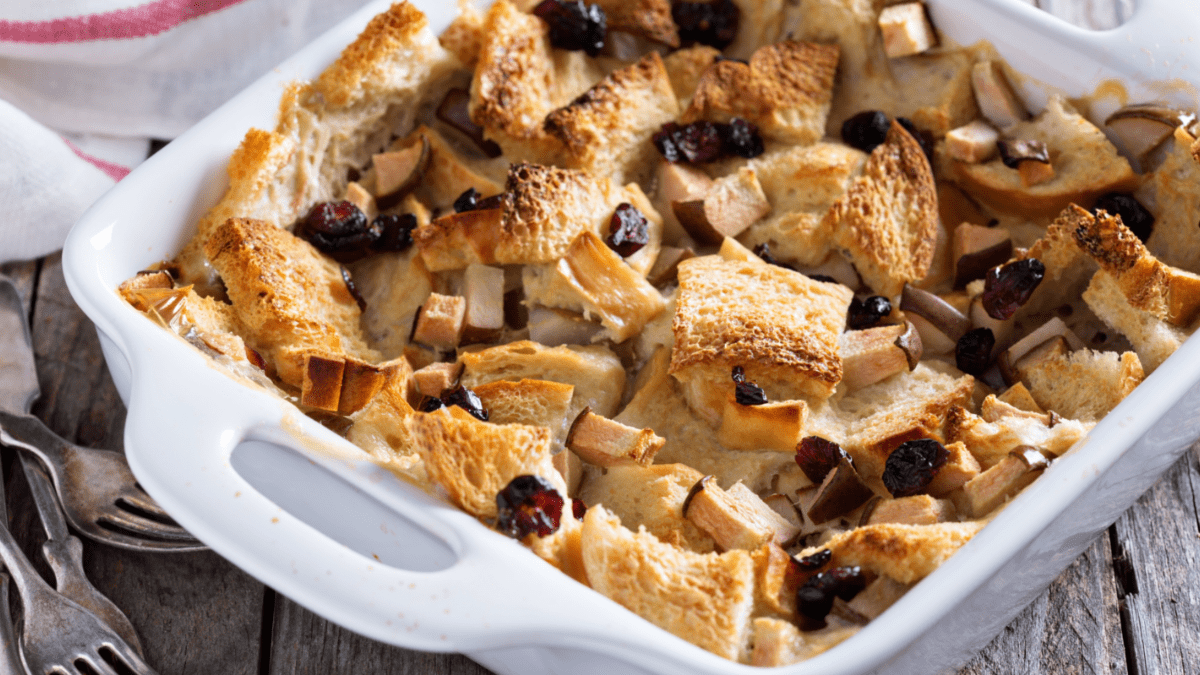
757,312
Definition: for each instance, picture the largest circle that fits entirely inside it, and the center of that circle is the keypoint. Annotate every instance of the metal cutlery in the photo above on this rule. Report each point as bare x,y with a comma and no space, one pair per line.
99,495
64,552
10,659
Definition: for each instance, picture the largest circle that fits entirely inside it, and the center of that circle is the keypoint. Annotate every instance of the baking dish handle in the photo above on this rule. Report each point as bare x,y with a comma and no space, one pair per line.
180,445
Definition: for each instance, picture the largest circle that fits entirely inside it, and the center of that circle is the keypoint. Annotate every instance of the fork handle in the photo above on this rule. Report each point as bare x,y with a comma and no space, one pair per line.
30,433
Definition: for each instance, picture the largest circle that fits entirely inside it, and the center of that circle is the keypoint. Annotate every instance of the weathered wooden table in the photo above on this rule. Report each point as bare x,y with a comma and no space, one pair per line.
1130,603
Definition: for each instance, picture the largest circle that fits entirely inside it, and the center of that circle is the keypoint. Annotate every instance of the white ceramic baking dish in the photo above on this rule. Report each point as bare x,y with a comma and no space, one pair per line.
296,506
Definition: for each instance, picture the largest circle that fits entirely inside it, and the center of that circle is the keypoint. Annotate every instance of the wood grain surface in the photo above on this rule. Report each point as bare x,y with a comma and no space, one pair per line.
1129,604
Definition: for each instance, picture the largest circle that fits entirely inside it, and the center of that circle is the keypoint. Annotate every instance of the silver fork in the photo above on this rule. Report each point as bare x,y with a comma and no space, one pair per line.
99,494
58,635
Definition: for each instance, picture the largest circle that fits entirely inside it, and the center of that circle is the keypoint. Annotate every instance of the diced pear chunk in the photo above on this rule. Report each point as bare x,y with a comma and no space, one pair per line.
483,288
973,143
604,442
984,493
735,518
914,510
678,183
436,378
906,30
872,355
358,196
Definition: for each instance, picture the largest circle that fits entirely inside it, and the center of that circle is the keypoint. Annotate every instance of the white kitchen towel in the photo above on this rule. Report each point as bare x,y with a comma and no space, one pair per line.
126,70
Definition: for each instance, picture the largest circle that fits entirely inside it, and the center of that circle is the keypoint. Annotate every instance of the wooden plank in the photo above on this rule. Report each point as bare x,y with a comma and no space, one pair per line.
1160,540
305,644
196,613
23,276
1073,627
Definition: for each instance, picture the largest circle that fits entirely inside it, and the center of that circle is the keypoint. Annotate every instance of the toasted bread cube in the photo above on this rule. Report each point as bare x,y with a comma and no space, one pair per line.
288,298
606,131
995,96
736,518
322,386
603,442
781,326
595,372
786,90
1175,239
906,30
650,19
1153,339
651,497
775,425
1085,384
872,354
593,279
440,323
705,599
1018,396
685,68
914,510
472,460
904,553
538,403
973,143
436,378
360,383
887,220
734,203
457,240
960,467
984,493
483,290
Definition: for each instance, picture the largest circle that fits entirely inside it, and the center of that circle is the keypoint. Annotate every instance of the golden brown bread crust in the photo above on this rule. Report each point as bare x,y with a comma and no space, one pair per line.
607,129
786,90
550,207
685,67
705,599
472,460
887,220
651,497
649,18
360,68
292,300
905,553
778,324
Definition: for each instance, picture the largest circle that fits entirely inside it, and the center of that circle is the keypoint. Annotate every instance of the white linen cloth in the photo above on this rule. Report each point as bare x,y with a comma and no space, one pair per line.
84,85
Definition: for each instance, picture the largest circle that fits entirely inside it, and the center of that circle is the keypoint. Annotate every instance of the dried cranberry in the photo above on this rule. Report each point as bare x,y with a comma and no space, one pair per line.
1007,287
395,232
709,23
574,26
747,393
815,561
627,231
430,403
578,509
866,131
911,467
815,598
696,143
867,313
338,229
1132,213
741,138
528,505
467,400
973,353
467,201
817,457
362,302
919,136
764,251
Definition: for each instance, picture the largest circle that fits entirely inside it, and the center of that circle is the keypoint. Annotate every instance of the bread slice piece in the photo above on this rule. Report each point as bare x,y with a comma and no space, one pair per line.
1086,165
471,461
394,286
595,372
779,325
650,497
1152,338
1083,385
1170,194
381,427
606,130
451,173
785,90
519,79
650,19
684,68
886,222
290,299
780,643
538,403
464,36
705,599
903,553
990,442
373,89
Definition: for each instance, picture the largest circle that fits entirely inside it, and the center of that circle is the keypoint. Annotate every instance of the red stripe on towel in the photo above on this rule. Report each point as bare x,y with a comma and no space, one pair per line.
133,22
113,171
